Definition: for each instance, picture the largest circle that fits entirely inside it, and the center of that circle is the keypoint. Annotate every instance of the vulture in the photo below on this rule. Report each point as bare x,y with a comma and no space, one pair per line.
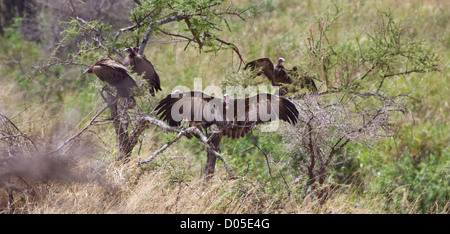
141,65
278,75
115,74
234,117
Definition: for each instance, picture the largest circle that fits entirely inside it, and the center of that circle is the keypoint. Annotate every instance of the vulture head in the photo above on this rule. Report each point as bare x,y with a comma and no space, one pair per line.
280,61
131,50
226,98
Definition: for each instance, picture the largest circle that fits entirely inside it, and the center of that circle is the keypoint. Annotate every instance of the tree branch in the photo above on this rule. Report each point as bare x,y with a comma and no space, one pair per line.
185,131
80,132
166,20
133,27
118,52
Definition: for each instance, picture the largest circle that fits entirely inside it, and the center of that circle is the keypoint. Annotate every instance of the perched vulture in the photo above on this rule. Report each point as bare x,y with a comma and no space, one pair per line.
115,74
280,76
141,65
234,117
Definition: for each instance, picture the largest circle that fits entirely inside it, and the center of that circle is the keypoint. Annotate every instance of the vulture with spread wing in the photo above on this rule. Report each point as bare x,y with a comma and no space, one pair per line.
234,117
142,65
115,74
280,76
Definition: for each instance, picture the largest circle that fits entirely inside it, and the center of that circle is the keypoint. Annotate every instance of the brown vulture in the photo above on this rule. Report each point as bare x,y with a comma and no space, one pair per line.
234,117
280,76
115,74
141,65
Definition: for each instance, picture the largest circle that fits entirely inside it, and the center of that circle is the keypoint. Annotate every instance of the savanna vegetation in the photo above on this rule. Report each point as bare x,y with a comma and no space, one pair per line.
373,138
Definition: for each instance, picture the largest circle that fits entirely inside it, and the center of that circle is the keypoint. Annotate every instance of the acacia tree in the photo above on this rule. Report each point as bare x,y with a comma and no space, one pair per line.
354,104
196,23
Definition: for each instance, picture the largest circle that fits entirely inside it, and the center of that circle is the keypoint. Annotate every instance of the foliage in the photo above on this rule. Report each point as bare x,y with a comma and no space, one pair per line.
18,53
354,105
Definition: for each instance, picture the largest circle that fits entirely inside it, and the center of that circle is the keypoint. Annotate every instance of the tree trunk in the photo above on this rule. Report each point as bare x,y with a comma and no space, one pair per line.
215,137
121,120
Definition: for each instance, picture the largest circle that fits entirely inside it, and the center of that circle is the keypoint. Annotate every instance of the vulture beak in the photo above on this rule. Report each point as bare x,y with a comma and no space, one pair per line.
127,49
89,70
226,98
280,61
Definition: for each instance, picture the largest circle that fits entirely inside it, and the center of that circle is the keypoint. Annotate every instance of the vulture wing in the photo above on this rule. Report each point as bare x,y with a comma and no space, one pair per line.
115,74
144,66
265,65
235,119
258,109
197,108
266,107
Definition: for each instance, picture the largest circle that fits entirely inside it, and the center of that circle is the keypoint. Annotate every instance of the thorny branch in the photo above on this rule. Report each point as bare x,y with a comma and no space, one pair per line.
186,17
80,132
181,132
328,129
99,38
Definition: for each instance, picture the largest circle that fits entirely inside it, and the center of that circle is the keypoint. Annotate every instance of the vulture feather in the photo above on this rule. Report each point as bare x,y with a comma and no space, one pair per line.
234,117
278,75
142,65
115,74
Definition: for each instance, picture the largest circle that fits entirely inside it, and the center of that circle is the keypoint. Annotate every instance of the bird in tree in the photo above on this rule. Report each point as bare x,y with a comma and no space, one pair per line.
234,117
279,75
115,74
142,66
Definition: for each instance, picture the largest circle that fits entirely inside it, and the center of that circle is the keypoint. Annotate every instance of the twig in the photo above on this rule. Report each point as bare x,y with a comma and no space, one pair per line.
234,47
132,27
166,20
185,131
199,42
118,52
21,112
163,148
255,144
73,8
79,133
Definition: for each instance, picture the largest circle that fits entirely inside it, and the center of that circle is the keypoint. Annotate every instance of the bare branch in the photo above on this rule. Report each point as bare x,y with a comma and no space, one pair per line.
132,27
166,20
410,71
164,147
118,52
194,34
79,133
184,131
235,48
